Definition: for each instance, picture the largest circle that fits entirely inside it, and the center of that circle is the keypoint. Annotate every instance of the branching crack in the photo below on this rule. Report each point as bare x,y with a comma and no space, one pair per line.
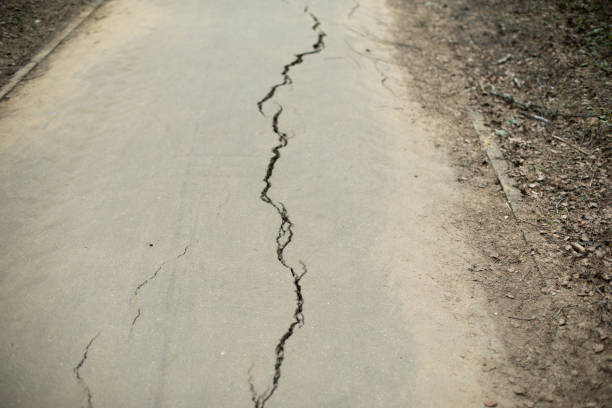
285,230
77,372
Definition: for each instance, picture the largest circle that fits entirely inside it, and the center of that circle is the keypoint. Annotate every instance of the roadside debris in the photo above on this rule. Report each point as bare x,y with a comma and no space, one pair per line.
540,75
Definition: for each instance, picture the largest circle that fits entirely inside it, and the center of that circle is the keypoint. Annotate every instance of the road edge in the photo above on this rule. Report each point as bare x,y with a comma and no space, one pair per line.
502,168
49,48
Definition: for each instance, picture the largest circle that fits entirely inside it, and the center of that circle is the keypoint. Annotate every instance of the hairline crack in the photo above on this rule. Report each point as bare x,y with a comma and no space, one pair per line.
145,282
77,372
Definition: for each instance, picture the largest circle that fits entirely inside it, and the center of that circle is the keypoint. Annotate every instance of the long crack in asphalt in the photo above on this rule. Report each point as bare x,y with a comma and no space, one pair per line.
285,230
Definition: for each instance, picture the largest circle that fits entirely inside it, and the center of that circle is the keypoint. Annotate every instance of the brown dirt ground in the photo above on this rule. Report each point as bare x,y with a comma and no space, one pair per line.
27,25
540,72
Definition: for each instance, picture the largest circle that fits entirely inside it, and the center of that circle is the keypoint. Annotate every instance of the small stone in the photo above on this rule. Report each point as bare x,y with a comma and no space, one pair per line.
565,281
548,398
602,333
598,348
578,248
490,403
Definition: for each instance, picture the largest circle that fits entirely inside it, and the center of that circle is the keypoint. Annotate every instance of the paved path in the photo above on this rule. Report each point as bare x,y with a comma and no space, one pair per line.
231,204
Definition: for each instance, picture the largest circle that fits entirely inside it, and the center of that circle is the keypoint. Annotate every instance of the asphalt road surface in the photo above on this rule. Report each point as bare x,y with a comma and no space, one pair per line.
231,204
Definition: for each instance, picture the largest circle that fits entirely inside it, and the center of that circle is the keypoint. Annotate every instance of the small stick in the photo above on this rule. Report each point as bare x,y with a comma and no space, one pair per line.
536,117
531,223
538,108
521,318
561,310
571,145
504,59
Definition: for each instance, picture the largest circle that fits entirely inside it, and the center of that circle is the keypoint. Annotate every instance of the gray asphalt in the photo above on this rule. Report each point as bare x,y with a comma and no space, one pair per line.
157,222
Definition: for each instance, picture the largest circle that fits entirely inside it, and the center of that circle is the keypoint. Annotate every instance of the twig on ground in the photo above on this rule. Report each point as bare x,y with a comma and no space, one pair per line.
511,100
559,203
561,310
531,223
526,319
536,117
538,108
573,146
527,273
504,59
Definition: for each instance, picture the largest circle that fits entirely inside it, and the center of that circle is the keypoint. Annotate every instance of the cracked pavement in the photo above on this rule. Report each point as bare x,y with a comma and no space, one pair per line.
171,173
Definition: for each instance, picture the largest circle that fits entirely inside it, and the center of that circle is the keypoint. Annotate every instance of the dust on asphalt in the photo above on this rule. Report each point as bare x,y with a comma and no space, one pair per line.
555,315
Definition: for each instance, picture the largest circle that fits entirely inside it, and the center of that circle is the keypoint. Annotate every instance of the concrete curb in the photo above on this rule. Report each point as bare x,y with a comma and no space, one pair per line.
502,168
496,158
48,49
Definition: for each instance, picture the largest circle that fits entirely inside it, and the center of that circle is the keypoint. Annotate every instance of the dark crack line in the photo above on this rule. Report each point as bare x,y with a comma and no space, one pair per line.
138,314
285,230
159,268
77,372
259,400
299,58
183,253
149,279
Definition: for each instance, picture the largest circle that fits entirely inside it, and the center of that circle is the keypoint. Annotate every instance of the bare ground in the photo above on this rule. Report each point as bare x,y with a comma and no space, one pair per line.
540,73
27,25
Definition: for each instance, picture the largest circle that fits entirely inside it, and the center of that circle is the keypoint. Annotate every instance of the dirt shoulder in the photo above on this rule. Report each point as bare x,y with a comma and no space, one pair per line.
540,73
27,25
